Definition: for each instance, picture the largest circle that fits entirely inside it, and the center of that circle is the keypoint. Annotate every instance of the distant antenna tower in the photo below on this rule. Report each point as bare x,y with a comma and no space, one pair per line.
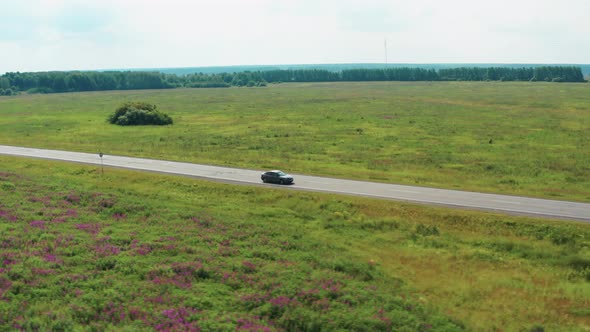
385,45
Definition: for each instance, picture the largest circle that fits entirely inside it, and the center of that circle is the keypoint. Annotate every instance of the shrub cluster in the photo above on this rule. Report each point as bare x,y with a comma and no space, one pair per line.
7,92
139,113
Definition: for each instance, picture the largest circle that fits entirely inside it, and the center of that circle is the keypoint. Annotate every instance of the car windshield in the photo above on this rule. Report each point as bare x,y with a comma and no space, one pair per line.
280,173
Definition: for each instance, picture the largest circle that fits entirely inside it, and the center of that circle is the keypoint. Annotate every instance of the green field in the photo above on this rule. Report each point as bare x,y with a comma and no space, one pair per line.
134,251
123,250
517,138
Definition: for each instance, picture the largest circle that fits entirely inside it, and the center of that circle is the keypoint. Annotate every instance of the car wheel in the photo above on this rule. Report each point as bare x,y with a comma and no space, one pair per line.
281,181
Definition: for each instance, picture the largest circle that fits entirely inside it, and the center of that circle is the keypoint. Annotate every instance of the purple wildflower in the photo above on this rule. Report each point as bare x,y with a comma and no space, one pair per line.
52,259
144,249
71,213
248,266
281,301
89,228
58,220
5,284
73,198
106,249
119,216
38,224
177,319
252,325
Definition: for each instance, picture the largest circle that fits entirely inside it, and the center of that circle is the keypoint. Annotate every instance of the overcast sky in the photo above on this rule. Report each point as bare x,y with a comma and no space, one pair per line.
40,35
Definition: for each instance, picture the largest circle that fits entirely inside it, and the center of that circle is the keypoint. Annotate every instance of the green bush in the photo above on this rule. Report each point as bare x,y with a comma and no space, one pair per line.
7,186
139,113
6,92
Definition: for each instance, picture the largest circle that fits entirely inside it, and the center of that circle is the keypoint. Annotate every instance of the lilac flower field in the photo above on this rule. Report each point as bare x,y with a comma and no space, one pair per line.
73,257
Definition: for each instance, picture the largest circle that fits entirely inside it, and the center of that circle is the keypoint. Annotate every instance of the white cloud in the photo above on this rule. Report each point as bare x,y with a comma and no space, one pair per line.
78,34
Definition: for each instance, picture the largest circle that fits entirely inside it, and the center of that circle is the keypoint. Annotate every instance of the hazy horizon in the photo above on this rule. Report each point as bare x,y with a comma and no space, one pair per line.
585,66
50,35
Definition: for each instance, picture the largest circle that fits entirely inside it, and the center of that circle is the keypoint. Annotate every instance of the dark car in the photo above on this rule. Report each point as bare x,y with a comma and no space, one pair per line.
276,177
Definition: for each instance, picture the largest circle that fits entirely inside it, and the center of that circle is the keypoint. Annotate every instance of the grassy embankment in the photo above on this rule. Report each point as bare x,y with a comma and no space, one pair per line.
132,251
517,138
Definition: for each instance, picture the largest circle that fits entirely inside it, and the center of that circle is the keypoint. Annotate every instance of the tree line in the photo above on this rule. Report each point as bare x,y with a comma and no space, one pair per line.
48,82
544,73
74,81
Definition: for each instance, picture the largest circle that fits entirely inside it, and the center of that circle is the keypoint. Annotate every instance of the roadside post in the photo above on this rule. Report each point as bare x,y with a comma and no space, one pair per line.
101,165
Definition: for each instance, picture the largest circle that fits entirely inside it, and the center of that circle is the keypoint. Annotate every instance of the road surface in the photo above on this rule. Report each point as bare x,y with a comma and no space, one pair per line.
454,198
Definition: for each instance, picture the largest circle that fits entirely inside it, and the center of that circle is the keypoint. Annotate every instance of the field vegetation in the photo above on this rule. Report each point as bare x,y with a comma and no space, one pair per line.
139,114
516,138
75,81
134,251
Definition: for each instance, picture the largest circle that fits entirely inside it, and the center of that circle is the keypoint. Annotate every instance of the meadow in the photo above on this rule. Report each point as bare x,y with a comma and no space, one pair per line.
515,138
136,251
82,250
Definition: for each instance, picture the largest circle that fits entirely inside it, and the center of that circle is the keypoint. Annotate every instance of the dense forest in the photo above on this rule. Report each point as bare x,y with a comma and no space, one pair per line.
338,67
52,82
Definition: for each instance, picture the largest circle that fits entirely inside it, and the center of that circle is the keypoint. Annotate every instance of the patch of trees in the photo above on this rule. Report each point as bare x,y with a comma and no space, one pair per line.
544,73
138,113
5,88
390,74
49,82
300,75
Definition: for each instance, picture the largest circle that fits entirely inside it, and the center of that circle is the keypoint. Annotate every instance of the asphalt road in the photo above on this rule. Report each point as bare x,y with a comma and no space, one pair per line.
454,198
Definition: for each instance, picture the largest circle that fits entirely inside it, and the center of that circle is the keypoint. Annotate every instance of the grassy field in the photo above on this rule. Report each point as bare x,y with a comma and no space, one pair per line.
137,251
134,251
517,138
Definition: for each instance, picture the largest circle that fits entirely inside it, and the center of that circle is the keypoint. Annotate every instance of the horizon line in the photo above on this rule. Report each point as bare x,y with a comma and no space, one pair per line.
307,64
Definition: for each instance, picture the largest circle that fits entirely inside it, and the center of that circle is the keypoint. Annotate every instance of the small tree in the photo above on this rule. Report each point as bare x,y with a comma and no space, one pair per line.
139,113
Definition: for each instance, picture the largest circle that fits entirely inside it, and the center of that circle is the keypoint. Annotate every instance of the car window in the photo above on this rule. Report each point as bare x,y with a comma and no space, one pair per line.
281,174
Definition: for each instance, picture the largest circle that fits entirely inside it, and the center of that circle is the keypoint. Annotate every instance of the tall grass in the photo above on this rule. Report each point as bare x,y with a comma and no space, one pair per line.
127,250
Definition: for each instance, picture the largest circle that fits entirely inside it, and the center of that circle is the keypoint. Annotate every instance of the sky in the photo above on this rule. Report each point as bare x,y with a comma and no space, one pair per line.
45,35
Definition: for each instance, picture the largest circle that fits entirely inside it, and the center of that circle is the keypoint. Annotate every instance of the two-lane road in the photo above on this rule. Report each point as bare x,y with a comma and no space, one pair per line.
471,200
